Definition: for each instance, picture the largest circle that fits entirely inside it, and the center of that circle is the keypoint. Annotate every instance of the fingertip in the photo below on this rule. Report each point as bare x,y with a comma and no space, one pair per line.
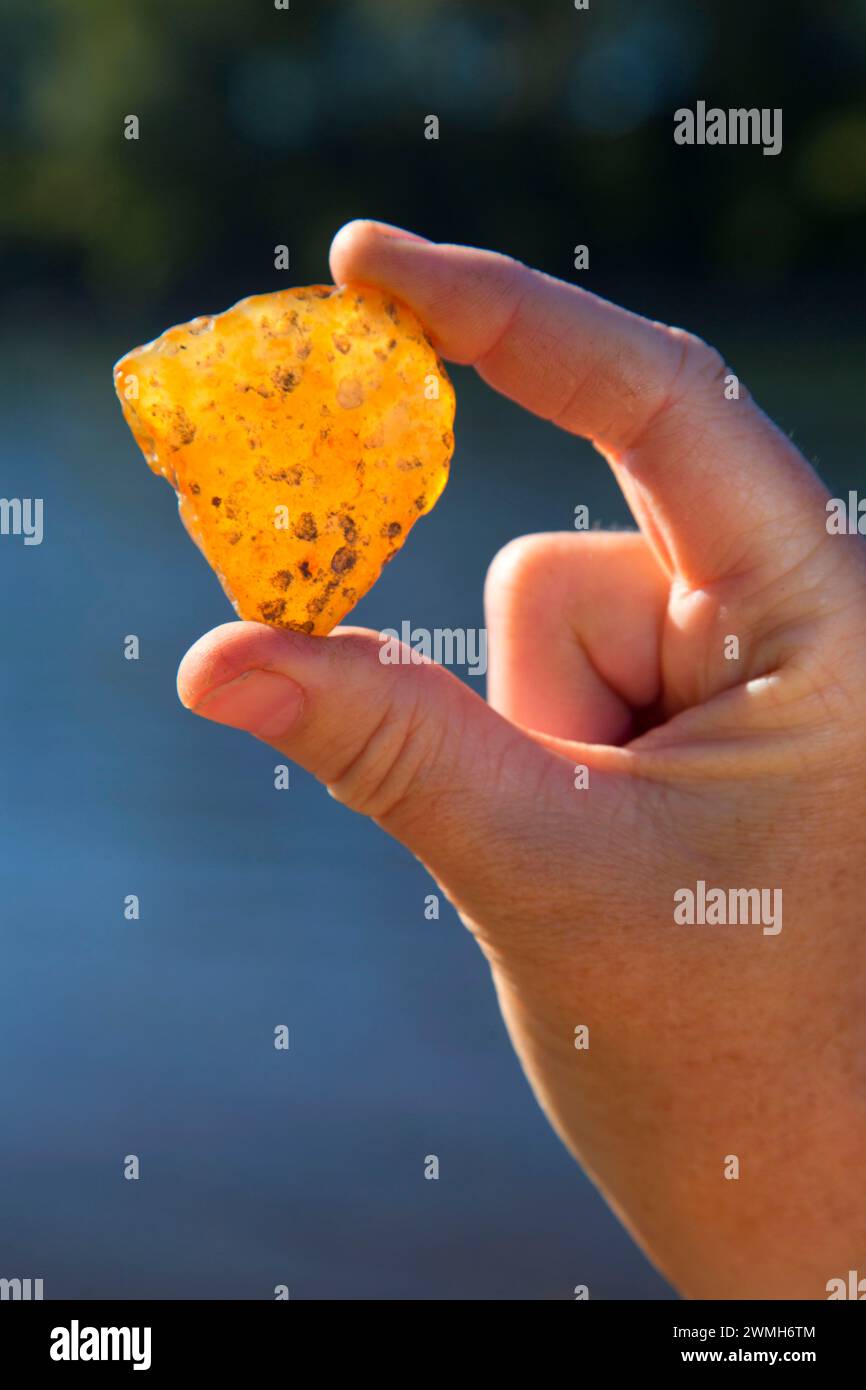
224,654
354,248
264,703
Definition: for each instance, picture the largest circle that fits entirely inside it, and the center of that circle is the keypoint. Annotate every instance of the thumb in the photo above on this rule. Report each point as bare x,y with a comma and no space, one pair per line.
475,798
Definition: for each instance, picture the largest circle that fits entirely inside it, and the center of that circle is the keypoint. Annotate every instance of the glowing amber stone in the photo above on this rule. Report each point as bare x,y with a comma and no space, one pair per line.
304,433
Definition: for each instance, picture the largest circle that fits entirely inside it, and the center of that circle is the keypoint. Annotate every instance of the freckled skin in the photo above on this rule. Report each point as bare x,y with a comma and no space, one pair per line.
297,432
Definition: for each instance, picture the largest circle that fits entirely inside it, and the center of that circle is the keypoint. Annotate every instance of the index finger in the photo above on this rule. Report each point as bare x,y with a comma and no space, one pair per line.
716,487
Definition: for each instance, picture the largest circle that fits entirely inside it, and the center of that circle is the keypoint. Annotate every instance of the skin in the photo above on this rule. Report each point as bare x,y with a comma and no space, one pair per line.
608,651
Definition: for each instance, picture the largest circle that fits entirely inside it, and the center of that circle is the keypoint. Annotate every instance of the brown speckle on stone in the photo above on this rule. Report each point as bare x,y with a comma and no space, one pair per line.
350,393
292,476
184,429
273,610
285,379
342,560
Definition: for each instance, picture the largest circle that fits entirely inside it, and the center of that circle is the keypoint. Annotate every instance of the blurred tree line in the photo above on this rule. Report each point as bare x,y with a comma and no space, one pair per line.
261,126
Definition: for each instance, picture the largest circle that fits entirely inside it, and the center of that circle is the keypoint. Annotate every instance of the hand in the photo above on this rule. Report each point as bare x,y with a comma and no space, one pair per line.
707,1043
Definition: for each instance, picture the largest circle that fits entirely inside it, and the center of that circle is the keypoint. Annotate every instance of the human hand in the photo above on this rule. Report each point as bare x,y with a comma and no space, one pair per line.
609,652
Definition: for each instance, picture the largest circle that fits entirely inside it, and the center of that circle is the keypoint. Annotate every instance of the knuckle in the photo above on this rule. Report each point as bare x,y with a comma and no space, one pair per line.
701,364
386,768
522,563
698,379
501,286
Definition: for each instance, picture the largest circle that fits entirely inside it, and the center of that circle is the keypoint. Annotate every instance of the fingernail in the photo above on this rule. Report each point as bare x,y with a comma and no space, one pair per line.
263,703
399,233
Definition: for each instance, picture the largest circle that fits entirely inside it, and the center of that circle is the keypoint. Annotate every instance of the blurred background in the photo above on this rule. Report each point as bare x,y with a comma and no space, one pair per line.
261,127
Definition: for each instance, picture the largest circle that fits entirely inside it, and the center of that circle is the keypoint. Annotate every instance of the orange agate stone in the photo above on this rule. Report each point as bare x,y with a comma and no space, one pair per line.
304,433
